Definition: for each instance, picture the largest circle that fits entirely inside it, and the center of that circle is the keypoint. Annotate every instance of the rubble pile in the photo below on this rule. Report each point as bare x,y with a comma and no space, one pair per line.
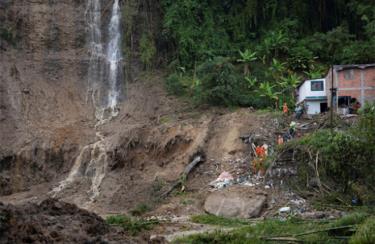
53,221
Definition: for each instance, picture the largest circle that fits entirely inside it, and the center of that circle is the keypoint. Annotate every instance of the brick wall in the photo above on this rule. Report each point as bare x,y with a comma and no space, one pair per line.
370,78
354,82
349,83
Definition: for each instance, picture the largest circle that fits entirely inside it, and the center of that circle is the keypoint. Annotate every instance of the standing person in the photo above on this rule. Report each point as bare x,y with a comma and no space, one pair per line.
258,162
299,111
285,109
280,140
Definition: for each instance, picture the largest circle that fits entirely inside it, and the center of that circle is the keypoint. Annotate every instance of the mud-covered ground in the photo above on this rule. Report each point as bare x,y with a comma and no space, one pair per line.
52,221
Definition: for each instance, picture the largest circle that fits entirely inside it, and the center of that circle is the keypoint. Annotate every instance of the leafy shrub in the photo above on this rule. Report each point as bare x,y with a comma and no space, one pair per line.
222,84
345,157
174,84
300,58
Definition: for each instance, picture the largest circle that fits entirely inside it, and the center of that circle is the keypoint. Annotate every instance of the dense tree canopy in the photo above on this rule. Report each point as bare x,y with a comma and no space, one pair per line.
260,49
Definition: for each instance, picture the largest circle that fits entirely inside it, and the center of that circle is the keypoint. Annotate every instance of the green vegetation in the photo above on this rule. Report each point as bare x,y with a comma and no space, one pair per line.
254,53
148,50
216,220
334,231
8,34
131,225
343,159
140,209
365,233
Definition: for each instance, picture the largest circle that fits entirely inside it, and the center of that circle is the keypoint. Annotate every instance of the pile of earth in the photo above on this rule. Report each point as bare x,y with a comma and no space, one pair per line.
53,221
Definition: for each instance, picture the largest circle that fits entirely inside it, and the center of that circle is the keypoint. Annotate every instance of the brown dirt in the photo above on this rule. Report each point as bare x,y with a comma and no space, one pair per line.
52,221
45,121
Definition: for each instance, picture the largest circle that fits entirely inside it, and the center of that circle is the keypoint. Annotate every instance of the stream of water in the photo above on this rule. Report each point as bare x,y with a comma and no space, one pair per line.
114,58
104,81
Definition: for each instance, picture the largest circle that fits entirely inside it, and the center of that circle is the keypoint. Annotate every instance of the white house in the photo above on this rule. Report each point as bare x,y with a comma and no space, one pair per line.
313,94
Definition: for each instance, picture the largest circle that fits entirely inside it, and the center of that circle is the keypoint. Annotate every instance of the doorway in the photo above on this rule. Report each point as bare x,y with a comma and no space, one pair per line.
323,107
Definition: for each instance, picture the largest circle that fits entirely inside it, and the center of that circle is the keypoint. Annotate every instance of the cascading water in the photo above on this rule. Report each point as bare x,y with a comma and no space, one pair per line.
105,66
105,88
114,58
96,53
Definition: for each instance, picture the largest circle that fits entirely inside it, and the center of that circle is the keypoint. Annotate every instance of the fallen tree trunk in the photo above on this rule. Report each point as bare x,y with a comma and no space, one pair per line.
184,175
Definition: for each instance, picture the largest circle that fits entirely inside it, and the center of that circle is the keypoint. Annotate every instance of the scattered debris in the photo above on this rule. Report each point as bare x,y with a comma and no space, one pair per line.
225,179
183,176
284,210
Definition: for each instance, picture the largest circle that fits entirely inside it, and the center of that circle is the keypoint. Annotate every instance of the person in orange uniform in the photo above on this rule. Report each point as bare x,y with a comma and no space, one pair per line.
261,154
285,108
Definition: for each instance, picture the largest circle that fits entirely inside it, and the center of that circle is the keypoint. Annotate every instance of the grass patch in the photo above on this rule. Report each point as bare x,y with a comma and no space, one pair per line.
351,219
266,111
131,225
140,209
187,201
165,120
300,230
216,220
365,233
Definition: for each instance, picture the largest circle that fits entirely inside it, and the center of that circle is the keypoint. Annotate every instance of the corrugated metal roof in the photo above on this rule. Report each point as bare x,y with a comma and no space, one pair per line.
353,66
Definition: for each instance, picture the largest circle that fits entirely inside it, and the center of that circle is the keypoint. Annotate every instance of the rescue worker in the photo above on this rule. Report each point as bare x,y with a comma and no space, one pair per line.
285,109
280,140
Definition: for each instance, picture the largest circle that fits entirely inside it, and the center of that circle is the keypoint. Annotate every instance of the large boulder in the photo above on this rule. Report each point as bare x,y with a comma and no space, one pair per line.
236,202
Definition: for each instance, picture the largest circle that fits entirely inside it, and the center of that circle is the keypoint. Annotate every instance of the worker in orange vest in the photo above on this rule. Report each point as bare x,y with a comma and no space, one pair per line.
258,162
285,108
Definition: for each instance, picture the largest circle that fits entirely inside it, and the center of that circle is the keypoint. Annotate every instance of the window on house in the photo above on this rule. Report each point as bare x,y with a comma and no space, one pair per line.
317,85
349,74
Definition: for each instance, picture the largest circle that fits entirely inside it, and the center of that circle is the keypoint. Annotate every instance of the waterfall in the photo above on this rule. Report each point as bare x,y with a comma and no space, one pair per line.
105,90
105,66
96,53
114,57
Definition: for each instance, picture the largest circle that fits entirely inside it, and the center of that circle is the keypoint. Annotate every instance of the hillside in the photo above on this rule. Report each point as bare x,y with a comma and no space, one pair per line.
129,121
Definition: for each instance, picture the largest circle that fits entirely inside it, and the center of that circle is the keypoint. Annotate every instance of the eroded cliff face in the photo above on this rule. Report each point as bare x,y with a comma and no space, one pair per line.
49,133
44,116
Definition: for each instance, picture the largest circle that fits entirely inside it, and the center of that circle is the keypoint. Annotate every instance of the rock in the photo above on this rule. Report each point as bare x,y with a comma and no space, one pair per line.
236,202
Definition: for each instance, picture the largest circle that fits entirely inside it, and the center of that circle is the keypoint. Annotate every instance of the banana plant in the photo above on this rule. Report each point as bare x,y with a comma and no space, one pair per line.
251,81
288,84
247,57
276,70
267,90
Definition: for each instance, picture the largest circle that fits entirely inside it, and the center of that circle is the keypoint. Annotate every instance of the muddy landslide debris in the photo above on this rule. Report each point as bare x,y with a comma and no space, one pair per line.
53,221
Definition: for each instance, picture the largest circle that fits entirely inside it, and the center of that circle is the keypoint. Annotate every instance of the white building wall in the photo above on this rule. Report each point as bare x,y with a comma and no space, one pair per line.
305,90
313,107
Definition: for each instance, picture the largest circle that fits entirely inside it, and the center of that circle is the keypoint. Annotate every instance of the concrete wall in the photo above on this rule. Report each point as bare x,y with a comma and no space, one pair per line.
305,90
313,107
